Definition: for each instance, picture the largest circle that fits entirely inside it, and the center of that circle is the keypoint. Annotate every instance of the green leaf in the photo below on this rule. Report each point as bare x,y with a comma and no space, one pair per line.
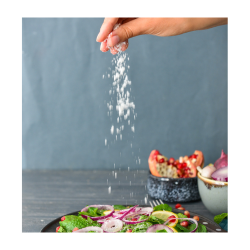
93,212
162,207
154,220
119,207
161,231
181,228
218,218
141,227
180,215
200,229
72,221
143,217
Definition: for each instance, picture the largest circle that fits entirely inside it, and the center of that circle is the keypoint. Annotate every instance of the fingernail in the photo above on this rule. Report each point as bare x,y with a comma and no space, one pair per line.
114,40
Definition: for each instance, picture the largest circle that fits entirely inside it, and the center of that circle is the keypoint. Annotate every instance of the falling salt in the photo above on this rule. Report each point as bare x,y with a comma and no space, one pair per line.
133,128
105,142
120,136
108,75
114,165
112,130
115,175
128,168
145,199
109,190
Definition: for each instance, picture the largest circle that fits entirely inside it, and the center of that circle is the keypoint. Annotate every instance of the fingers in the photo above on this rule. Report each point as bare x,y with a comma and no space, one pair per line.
124,46
127,30
106,28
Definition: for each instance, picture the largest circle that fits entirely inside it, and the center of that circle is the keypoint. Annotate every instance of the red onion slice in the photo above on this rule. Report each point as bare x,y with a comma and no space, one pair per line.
146,210
87,229
118,214
189,219
106,219
156,227
112,226
221,174
102,207
130,210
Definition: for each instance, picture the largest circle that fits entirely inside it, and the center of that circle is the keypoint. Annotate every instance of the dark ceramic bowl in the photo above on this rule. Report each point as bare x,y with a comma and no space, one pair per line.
173,189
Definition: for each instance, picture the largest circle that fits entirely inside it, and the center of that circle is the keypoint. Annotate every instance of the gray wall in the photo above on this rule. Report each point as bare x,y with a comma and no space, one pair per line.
179,84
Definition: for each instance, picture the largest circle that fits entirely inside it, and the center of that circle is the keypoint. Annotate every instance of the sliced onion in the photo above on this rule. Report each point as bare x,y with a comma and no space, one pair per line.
87,229
146,210
118,214
102,207
112,226
221,174
106,219
130,210
132,222
156,227
222,161
189,219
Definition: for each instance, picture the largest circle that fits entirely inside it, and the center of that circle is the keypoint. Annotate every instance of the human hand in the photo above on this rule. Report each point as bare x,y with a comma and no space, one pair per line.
131,27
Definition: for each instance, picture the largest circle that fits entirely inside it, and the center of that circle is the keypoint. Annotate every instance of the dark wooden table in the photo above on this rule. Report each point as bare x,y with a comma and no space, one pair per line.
48,194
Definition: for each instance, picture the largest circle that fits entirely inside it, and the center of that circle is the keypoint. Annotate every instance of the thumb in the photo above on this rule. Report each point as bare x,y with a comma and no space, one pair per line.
127,30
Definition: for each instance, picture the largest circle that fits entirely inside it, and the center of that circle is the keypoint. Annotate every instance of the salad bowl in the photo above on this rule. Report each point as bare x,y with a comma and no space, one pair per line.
214,194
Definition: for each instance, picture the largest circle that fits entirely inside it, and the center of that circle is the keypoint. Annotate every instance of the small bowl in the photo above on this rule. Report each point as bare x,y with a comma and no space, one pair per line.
213,194
173,189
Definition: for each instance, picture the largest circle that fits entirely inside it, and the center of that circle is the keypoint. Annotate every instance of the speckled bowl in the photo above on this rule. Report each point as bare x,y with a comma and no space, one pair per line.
213,194
173,189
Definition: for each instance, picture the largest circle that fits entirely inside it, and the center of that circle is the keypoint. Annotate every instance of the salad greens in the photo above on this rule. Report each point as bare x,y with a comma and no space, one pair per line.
219,218
93,212
72,221
161,207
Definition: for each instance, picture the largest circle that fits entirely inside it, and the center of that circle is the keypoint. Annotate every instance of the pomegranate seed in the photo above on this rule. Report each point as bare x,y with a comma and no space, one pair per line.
177,205
134,219
196,218
63,218
184,164
172,220
185,158
175,163
181,208
179,172
179,166
75,229
194,156
184,223
157,152
171,160
57,229
161,160
187,214
129,231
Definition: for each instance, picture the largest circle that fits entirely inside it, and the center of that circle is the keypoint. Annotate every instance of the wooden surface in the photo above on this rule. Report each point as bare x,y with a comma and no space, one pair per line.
48,194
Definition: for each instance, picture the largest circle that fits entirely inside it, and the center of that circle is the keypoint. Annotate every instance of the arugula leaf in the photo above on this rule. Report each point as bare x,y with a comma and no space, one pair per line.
119,207
164,207
143,217
154,220
161,231
218,218
72,221
141,227
180,215
201,228
93,212
181,228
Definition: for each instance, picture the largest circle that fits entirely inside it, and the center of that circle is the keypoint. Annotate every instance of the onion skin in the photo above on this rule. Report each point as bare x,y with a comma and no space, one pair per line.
108,226
222,161
221,174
